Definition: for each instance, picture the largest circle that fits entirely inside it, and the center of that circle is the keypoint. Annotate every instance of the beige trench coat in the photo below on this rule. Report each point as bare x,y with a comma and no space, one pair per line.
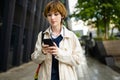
69,56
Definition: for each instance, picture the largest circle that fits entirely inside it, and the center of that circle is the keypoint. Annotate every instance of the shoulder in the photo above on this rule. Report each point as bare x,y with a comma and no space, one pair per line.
39,34
69,33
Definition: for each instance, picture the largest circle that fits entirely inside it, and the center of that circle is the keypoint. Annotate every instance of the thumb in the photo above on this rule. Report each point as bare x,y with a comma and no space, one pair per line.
55,44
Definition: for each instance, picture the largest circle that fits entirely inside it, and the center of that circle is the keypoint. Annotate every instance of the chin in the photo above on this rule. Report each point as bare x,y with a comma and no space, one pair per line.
54,25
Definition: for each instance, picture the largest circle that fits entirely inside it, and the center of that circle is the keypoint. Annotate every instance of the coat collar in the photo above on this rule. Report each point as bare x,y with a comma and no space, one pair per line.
65,32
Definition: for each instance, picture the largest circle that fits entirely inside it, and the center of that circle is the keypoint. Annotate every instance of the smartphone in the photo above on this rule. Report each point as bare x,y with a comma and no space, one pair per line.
48,42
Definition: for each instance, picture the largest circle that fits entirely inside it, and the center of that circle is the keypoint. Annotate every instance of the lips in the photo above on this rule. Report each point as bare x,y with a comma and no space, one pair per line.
53,22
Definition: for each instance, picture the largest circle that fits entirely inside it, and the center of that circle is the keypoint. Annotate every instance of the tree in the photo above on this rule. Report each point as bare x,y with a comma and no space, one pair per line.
101,12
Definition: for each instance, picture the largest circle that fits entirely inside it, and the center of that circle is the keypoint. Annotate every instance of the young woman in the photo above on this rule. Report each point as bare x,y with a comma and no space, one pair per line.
58,62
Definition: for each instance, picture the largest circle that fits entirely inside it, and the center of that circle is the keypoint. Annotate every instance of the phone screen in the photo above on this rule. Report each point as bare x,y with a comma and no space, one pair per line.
48,42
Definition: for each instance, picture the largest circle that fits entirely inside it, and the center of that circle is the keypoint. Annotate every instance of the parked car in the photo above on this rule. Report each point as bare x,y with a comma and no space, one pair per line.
117,35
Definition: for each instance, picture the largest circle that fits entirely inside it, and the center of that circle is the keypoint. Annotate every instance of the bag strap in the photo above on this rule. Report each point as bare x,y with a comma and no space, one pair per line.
42,37
37,72
38,68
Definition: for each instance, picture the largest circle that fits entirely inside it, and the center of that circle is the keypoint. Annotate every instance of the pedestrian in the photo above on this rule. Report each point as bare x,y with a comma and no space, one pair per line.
58,61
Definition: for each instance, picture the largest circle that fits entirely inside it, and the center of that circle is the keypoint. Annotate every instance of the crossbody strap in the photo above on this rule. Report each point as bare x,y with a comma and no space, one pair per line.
42,36
38,68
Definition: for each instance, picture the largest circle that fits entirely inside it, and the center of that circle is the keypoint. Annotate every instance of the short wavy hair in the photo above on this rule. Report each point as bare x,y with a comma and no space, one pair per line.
55,6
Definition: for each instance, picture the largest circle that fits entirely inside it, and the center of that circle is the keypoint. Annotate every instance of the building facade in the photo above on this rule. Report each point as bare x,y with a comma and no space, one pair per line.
20,23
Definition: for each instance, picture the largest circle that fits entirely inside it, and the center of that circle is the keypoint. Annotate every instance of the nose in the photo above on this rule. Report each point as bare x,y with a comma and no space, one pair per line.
52,16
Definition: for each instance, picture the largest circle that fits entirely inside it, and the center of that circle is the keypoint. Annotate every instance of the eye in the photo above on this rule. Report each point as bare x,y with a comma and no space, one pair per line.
48,14
56,14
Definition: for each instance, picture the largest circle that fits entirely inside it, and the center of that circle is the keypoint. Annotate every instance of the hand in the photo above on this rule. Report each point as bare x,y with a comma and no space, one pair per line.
50,49
53,49
45,49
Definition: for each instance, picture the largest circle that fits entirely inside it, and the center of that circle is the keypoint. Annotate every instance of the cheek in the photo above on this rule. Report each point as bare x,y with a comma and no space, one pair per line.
60,19
48,20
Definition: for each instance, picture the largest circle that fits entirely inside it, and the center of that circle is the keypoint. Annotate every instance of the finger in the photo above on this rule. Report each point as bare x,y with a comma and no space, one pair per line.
54,44
49,51
52,48
45,46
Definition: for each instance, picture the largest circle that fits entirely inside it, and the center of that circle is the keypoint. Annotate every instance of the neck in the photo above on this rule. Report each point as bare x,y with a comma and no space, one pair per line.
56,30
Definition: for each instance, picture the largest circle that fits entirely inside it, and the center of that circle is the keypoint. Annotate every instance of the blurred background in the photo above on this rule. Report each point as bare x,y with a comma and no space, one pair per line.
95,22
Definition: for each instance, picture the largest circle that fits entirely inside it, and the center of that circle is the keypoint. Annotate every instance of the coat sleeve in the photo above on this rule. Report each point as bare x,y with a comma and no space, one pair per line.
37,56
71,57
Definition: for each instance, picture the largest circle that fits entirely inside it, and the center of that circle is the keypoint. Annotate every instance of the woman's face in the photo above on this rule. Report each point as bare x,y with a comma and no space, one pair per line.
54,18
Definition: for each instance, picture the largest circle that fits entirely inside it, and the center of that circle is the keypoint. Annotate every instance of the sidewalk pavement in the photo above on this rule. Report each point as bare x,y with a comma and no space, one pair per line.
23,72
94,70
26,72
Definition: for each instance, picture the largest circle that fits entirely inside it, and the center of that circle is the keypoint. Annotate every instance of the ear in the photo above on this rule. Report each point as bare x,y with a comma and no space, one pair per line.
62,17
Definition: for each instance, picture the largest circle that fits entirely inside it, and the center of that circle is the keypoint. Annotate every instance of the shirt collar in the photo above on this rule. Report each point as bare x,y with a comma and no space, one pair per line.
61,33
64,31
